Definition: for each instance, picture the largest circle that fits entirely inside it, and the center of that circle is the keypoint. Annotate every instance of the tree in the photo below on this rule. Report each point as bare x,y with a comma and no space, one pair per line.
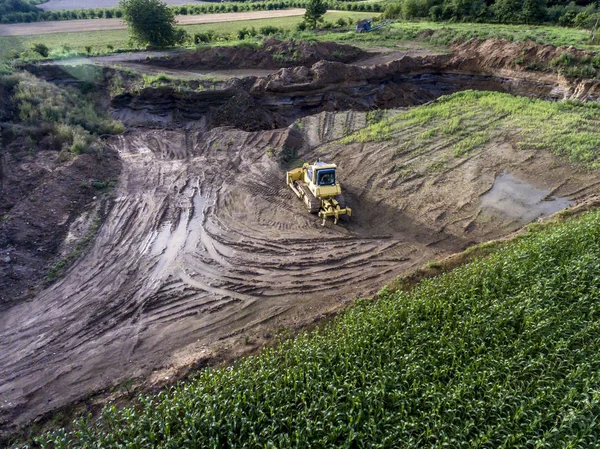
534,11
151,22
314,12
508,11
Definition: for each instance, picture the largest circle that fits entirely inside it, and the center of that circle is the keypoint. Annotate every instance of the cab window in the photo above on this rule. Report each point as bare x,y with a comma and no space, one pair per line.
326,177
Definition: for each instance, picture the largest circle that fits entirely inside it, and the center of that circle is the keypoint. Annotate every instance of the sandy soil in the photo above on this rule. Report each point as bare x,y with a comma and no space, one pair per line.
67,26
57,5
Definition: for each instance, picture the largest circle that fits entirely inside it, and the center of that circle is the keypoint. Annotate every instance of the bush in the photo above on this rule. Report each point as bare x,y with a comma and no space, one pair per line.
341,22
301,26
41,49
203,38
246,32
314,12
436,13
564,60
269,30
393,11
150,22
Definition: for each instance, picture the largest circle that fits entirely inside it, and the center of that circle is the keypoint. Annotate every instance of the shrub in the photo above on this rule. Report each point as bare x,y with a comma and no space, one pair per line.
41,49
150,22
564,60
269,30
314,12
246,32
203,38
393,11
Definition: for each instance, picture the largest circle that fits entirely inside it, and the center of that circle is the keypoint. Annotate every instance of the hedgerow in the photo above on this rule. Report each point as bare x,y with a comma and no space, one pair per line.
502,352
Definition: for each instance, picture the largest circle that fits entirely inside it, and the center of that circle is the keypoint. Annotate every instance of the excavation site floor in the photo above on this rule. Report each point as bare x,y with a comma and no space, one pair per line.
205,253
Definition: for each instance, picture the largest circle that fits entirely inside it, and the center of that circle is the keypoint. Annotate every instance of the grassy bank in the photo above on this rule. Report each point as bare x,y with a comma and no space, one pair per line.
466,121
429,33
103,42
502,352
446,33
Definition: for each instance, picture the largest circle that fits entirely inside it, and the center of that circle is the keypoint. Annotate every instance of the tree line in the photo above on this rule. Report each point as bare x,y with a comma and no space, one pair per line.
23,11
560,12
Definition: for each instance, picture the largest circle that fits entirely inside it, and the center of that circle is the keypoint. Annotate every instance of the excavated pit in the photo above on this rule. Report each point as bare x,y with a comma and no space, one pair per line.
205,251
255,104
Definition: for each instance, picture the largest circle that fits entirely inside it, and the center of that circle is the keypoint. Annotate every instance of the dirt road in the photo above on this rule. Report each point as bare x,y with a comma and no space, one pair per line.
68,26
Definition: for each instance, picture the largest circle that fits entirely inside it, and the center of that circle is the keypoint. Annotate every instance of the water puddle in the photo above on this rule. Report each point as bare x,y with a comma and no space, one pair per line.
514,198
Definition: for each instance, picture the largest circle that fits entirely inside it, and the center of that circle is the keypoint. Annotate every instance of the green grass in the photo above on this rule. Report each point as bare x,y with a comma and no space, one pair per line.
71,120
65,44
447,33
500,353
466,121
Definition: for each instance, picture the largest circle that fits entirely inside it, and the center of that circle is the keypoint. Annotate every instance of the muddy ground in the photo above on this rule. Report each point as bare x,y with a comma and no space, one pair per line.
204,252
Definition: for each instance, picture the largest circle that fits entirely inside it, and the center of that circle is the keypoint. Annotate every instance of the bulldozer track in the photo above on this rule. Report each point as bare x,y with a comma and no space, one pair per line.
313,204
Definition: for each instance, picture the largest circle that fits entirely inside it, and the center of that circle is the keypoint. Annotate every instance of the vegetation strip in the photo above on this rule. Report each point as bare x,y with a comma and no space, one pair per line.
67,45
568,129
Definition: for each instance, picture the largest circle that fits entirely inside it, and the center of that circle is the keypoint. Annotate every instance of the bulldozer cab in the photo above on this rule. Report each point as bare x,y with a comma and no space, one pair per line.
326,177
321,174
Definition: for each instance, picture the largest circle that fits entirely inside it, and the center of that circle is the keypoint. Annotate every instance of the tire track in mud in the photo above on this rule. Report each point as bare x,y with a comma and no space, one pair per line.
203,241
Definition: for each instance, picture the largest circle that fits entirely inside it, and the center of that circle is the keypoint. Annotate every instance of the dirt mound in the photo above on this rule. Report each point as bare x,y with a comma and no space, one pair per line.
43,192
276,100
503,54
273,54
41,197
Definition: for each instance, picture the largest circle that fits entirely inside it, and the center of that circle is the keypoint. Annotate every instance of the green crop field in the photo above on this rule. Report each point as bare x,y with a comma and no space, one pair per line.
466,121
500,353
62,44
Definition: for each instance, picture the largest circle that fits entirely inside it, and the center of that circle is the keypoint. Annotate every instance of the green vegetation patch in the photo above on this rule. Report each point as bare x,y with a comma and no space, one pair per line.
68,45
502,352
64,118
468,120
446,33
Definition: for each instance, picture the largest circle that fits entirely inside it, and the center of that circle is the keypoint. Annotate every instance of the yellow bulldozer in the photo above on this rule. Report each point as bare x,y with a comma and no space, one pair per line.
316,185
